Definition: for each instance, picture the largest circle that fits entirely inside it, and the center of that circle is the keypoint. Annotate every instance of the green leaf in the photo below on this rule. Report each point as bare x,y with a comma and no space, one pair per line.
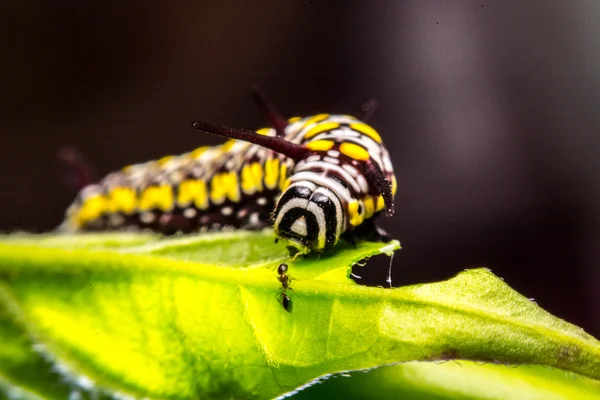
457,380
22,367
24,373
200,316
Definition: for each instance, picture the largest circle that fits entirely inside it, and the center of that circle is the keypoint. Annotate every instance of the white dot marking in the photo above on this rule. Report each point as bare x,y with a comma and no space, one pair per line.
147,217
190,212
227,210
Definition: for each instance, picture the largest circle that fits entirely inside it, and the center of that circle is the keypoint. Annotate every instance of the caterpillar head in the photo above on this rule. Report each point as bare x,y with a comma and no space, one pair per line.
308,217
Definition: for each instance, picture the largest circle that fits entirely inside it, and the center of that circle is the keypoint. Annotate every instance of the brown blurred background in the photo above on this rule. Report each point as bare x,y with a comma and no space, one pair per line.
488,109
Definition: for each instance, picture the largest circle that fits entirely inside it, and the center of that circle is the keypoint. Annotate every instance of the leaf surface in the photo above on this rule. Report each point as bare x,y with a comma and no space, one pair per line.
201,317
456,380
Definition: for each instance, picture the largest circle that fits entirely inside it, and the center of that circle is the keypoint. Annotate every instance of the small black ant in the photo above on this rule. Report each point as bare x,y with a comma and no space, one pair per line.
285,280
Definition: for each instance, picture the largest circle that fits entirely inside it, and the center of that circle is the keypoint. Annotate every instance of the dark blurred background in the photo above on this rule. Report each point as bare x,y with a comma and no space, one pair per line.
488,110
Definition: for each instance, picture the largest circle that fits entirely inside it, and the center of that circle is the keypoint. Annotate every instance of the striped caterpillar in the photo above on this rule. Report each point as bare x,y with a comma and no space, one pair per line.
314,180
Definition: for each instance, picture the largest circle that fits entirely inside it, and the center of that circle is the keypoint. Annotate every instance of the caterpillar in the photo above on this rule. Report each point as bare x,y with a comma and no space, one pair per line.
314,180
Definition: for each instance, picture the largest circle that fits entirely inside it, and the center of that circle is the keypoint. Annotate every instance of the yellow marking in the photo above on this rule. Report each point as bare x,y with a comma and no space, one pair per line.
224,185
217,192
199,151
286,184
121,200
319,128
354,151
264,131
282,175
380,203
320,145
248,185
257,173
193,190
367,130
228,145
394,185
271,172
315,119
369,206
294,119
160,197
164,160
231,185
92,208
252,177
356,218
127,168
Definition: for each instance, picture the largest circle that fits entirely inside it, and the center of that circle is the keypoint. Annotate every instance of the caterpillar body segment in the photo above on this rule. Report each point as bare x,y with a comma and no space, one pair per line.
211,188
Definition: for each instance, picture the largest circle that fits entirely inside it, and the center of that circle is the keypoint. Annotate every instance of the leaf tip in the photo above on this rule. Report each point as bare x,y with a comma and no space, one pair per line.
390,247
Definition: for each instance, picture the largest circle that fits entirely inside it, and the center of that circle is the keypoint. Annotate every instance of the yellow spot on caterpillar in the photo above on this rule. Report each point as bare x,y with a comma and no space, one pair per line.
248,184
369,206
294,119
121,200
224,185
264,131
286,184
271,172
356,218
394,185
217,191
228,145
160,197
282,175
193,190
92,208
319,128
366,130
320,145
257,173
252,178
232,186
354,151
380,203
199,151
127,168
164,160
315,119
